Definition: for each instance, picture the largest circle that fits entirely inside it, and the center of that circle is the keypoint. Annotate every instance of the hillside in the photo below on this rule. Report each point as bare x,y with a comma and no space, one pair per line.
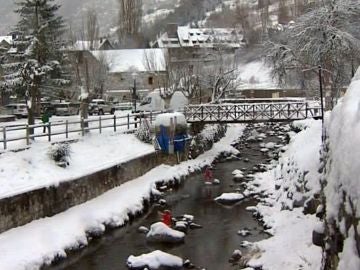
73,11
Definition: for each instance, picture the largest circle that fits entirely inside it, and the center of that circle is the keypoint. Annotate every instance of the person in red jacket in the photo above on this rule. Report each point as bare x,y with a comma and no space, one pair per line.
166,218
208,175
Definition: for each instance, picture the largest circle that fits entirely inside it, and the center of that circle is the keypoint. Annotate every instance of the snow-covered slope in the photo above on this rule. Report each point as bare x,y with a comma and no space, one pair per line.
343,170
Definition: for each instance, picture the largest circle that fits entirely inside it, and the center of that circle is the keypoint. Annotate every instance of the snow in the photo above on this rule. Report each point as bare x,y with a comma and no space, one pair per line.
154,260
344,137
342,170
38,170
178,101
230,197
165,119
291,230
132,60
162,233
255,75
31,245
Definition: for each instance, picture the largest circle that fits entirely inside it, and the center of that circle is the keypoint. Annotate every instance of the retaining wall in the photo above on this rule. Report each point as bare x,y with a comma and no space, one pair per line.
45,202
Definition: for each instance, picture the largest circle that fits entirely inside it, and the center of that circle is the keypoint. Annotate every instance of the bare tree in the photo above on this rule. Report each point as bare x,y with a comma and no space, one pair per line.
92,28
130,22
321,37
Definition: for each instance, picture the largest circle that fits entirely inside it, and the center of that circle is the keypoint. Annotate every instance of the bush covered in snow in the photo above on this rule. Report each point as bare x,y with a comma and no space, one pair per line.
143,133
60,153
205,139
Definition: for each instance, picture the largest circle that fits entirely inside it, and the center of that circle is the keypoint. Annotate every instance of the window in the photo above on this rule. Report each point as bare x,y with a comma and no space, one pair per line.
150,80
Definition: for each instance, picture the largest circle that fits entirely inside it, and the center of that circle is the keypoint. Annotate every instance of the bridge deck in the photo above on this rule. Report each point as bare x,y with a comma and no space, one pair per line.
250,112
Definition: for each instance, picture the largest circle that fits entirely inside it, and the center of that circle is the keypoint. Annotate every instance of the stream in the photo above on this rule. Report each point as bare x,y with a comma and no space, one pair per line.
209,247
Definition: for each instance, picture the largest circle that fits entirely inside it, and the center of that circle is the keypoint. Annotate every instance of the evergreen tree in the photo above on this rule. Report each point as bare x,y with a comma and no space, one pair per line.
35,62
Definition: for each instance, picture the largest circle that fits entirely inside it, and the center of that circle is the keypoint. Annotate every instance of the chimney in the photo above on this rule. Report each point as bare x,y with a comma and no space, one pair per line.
171,30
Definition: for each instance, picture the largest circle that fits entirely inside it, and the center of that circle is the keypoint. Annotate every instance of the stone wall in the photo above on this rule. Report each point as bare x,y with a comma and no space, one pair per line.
46,202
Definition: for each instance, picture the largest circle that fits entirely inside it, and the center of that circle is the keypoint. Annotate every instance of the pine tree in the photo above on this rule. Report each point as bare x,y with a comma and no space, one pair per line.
35,62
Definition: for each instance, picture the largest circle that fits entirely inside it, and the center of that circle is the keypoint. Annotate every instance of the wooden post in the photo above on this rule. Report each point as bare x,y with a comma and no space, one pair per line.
100,124
114,123
67,129
82,127
4,136
49,131
128,121
27,135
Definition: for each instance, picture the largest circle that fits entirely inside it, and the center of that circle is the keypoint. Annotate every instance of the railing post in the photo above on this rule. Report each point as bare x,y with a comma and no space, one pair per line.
4,136
151,117
114,123
27,135
100,124
306,110
49,131
67,129
202,113
82,127
128,121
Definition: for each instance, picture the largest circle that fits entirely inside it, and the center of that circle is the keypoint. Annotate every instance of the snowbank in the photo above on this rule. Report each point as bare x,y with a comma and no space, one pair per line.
342,173
32,169
154,260
159,232
39,242
165,119
293,181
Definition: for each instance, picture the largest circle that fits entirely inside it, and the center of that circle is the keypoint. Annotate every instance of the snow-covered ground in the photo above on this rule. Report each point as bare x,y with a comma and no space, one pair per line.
38,242
255,75
342,174
31,169
291,246
58,126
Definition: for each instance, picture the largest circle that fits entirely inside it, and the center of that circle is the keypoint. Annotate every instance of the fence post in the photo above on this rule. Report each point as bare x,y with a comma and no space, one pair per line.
100,124
4,135
151,117
49,131
67,129
27,135
128,121
114,123
82,127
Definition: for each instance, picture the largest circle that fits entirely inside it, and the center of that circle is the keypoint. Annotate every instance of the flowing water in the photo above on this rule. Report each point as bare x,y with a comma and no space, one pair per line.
209,247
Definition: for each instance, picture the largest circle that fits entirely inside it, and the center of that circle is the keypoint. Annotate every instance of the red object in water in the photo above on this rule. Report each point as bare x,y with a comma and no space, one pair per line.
208,175
166,218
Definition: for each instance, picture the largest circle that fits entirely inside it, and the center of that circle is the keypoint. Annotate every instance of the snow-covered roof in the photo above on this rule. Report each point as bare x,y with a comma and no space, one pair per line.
133,60
8,39
84,45
202,37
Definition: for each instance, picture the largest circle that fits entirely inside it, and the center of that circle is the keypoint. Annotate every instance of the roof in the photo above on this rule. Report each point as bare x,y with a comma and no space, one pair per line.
8,39
133,60
203,38
84,45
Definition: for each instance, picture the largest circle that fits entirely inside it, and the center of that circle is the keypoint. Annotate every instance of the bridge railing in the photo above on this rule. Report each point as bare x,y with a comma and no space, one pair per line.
250,112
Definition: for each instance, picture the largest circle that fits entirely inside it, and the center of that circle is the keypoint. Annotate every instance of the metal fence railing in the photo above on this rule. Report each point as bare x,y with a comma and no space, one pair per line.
70,129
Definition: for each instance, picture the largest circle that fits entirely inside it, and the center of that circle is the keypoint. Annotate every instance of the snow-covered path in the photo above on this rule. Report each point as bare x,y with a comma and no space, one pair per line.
31,169
38,242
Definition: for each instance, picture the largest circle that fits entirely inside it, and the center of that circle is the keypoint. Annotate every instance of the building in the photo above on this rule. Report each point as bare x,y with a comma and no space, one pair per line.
84,45
5,43
191,46
144,68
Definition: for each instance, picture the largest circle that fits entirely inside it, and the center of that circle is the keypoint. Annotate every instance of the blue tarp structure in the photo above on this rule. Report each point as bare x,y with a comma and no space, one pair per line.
164,140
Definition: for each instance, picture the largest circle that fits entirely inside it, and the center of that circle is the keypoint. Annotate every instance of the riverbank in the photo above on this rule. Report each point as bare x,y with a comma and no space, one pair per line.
288,203
28,247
